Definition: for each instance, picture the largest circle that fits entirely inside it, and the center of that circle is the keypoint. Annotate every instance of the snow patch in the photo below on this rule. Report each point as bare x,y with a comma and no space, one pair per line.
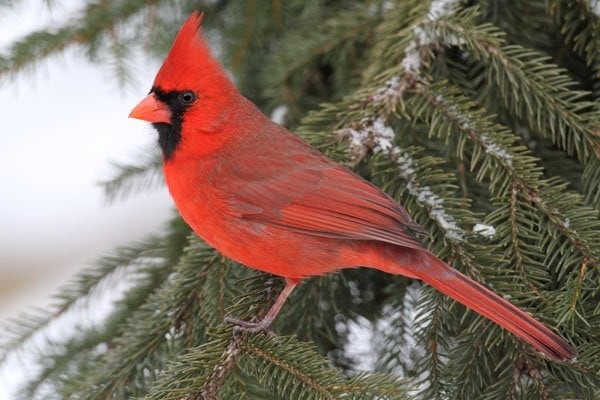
484,230
411,62
279,113
360,344
375,135
462,120
496,150
368,340
383,136
441,8
390,89
464,123
595,7
412,59
425,196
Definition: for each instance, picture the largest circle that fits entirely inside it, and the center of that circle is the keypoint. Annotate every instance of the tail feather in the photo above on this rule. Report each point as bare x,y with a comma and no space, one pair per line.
485,302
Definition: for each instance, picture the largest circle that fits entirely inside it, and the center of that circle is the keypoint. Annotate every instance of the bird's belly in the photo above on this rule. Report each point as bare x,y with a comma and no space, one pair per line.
279,251
271,249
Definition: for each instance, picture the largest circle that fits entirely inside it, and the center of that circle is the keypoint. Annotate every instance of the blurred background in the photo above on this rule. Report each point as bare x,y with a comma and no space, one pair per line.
63,125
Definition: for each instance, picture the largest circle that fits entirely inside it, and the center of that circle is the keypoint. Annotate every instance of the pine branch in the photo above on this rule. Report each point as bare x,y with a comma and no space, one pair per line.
282,363
395,334
96,20
532,88
519,166
527,262
474,368
525,21
284,76
315,324
188,376
580,28
72,356
221,371
245,387
148,327
28,325
134,178
202,371
431,323
286,363
591,183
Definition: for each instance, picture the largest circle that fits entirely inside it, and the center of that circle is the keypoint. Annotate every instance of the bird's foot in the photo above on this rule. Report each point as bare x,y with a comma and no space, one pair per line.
264,324
246,326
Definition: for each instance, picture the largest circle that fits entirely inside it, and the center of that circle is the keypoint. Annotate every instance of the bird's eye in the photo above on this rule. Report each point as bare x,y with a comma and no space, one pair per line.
187,97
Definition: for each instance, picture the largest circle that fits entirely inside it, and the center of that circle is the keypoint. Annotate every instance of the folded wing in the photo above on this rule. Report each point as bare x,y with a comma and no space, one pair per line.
318,198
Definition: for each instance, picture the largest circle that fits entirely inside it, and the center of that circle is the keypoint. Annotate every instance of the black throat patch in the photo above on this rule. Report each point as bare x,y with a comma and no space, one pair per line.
169,134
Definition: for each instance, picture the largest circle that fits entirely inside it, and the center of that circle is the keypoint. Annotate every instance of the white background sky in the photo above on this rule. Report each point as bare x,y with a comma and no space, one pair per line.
61,127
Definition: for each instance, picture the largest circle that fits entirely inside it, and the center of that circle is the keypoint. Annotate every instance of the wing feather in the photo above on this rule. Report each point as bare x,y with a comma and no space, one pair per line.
322,199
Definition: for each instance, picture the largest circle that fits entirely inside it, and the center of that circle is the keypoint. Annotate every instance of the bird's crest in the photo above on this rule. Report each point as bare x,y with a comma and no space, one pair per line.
190,64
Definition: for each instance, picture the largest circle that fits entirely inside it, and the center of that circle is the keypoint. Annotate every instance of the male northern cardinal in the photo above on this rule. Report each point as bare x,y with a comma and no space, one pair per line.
262,196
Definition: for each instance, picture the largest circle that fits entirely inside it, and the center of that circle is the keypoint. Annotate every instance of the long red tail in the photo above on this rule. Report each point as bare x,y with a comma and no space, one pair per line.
485,302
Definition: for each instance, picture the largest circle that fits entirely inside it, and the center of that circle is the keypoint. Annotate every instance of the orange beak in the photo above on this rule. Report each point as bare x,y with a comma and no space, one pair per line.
152,110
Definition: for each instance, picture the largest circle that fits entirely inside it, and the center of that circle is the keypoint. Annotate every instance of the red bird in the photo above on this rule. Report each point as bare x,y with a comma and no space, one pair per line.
262,196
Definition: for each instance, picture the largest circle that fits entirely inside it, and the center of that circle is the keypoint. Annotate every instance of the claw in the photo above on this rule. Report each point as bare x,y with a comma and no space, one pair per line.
265,323
240,326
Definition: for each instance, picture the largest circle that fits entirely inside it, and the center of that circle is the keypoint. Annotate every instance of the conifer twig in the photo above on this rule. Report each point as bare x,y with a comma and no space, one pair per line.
221,370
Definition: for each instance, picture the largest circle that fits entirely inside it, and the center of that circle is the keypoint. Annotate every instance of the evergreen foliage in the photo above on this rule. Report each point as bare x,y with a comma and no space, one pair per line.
472,114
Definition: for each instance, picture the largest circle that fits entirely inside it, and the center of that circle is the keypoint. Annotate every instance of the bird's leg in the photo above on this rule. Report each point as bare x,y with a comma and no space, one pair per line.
265,323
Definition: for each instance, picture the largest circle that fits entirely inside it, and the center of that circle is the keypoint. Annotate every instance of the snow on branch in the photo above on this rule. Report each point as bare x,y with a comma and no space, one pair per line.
426,196
370,135
390,89
464,122
393,89
422,38
484,230
376,136
496,150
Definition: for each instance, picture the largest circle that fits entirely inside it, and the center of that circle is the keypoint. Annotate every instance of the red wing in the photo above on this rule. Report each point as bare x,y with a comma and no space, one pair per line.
324,200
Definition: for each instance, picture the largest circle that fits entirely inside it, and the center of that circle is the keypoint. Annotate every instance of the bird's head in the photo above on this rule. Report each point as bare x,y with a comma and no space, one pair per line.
191,96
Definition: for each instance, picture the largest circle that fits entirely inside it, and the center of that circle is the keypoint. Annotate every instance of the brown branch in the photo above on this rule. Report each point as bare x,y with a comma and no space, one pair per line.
220,373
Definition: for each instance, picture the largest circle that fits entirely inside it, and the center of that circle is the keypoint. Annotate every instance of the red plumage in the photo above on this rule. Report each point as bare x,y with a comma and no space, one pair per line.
262,196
